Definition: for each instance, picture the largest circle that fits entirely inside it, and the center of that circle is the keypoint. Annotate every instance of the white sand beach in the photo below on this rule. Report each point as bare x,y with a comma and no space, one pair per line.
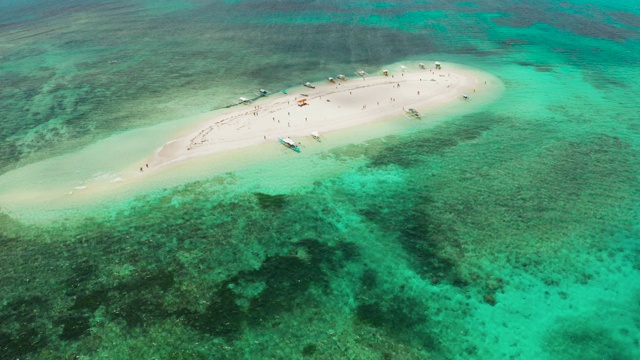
228,140
328,107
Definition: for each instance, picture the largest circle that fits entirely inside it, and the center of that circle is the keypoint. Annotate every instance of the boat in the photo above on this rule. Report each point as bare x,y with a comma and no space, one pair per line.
341,77
413,113
289,143
385,72
263,92
361,73
244,100
331,80
403,68
421,66
465,97
315,135
308,84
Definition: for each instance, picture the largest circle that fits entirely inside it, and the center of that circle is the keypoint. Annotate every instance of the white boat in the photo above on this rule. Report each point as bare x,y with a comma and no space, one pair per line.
263,92
465,97
289,143
331,80
308,84
341,77
244,100
361,73
413,113
315,135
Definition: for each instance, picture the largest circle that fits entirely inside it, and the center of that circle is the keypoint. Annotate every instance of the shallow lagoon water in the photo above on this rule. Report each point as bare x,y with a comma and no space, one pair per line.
507,233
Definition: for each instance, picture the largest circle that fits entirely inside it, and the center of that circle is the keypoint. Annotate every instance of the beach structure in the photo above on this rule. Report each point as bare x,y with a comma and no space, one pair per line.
342,77
403,68
331,80
438,65
361,73
315,135
385,72
421,66
309,85
288,142
302,102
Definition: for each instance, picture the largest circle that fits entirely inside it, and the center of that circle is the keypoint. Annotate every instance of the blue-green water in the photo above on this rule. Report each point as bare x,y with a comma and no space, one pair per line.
510,233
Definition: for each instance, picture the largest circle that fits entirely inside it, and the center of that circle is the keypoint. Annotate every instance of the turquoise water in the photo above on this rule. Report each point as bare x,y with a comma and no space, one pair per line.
509,233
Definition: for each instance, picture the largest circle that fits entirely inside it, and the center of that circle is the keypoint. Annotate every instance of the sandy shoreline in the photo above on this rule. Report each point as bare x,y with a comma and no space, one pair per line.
245,136
330,106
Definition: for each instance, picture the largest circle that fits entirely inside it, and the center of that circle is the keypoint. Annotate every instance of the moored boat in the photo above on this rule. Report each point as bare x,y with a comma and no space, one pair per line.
309,85
289,143
413,113
315,135
341,77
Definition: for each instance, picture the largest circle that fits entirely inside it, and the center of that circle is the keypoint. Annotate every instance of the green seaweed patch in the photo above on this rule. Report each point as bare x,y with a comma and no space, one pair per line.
22,333
137,301
22,342
223,317
288,283
431,244
73,326
271,202
412,150
400,317
309,350
585,340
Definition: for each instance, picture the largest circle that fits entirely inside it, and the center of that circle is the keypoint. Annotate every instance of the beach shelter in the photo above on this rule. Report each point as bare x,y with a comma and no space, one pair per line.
302,102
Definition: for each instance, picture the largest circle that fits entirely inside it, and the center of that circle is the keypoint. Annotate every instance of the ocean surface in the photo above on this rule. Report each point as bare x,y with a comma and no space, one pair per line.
512,232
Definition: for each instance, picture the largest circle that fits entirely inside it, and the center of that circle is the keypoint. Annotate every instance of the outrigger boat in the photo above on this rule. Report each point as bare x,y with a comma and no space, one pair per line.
289,143
341,77
262,92
315,135
244,100
331,80
413,113
361,73
308,84
465,97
